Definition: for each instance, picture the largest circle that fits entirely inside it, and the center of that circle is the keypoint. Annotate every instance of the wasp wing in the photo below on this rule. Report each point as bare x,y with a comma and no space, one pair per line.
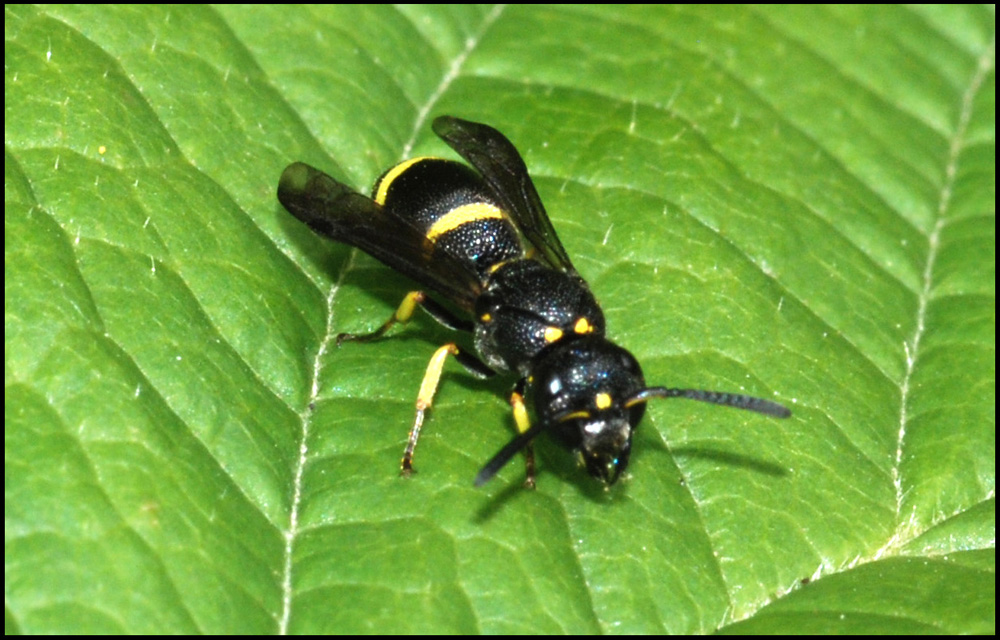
334,210
501,166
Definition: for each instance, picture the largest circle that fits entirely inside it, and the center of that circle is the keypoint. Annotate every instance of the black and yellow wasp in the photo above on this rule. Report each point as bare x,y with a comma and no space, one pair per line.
480,238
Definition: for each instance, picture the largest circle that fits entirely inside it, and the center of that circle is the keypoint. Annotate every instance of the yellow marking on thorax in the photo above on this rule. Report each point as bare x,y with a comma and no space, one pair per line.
583,326
602,400
495,267
552,334
460,215
391,175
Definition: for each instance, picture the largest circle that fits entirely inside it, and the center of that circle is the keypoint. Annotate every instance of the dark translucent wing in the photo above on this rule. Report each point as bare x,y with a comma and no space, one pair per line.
334,210
498,161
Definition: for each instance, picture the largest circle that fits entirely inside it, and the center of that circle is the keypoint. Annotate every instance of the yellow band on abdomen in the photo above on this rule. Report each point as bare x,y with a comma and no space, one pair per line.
460,215
390,177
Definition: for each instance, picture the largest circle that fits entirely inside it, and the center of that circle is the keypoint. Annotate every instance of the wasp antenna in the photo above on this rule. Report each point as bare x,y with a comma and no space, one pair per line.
504,455
738,401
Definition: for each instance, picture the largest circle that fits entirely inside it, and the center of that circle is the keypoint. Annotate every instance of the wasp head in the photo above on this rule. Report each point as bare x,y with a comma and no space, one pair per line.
580,391
590,394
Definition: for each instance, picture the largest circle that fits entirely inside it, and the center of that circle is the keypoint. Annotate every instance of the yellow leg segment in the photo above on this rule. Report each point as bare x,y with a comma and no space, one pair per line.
403,314
523,423
424,400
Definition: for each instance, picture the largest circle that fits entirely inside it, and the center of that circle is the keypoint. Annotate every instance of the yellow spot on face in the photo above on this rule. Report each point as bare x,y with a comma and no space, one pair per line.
552,334
390,177
583,326
485,317
460,215
602,400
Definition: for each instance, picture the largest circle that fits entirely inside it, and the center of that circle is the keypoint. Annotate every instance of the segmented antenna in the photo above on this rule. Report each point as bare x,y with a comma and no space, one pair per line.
509,451
738,401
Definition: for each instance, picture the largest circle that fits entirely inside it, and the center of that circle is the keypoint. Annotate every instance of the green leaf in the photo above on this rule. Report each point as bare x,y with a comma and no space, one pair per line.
796,203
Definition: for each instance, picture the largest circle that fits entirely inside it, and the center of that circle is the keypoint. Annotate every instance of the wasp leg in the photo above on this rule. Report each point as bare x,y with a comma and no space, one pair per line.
428,388
523,423
403,314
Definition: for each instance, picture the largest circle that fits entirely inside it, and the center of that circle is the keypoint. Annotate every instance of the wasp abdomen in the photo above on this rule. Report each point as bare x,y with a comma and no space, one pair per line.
453,207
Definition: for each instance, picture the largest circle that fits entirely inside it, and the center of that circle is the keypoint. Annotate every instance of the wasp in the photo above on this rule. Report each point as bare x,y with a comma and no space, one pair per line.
479,237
